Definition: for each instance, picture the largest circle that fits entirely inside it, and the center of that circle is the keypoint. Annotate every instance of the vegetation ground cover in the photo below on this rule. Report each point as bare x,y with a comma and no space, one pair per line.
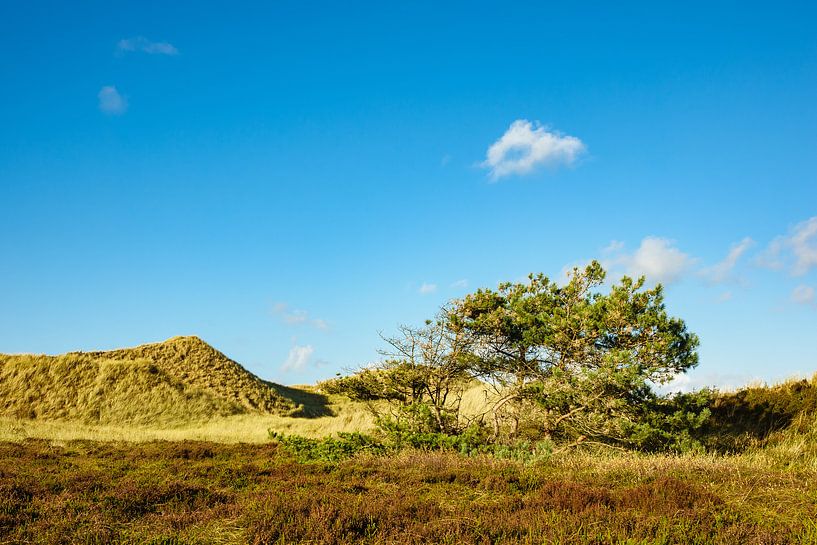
195,492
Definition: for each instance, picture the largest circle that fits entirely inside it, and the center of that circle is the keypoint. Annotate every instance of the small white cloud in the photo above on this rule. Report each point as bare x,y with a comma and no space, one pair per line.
460,284
320,324
725,296
111,102
613,247
657,259
770,258
298,317
804,295
722,272
445,160
797,250
803,244
298,357
140,43
526,146
295,317
426,288
695,380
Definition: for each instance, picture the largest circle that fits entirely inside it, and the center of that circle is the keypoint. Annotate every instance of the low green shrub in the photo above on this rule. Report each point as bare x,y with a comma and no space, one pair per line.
675,424
471,442
328,449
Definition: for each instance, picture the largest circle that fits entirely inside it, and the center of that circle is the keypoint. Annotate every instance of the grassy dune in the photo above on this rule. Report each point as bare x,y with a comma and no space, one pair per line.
177,382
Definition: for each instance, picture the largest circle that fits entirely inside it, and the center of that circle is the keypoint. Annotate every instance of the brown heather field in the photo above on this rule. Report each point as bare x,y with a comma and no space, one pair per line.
196,492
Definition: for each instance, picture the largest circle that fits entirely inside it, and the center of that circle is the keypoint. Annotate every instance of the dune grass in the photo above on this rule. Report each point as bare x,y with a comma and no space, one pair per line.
178,382
81,388
341,416
196,364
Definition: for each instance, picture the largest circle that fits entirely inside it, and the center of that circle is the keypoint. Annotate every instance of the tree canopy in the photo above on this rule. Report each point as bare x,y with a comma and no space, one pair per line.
574,361
584,357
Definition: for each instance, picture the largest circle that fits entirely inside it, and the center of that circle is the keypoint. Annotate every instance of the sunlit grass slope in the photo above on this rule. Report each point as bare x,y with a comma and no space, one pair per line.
778,420
179,381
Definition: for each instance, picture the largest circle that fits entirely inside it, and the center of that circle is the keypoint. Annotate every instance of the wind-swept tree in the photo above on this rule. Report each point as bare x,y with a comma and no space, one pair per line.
578,359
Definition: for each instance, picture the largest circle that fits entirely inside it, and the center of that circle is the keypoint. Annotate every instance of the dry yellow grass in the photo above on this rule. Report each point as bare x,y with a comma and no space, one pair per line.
177,382
342,415
191,361
339,415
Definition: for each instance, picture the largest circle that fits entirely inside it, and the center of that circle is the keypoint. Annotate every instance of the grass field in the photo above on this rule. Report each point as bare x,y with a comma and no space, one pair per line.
195,492
247,428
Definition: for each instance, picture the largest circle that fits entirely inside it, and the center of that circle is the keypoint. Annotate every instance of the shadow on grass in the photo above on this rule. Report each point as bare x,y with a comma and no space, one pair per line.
751,415
310,404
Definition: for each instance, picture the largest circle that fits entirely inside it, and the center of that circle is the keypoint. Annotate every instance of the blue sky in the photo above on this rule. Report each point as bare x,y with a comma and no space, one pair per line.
288,179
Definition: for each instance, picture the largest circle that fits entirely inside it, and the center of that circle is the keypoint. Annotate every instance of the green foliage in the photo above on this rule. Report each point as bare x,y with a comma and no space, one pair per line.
467,441
755,417
328,449
672,424
585,358
366,385
523,451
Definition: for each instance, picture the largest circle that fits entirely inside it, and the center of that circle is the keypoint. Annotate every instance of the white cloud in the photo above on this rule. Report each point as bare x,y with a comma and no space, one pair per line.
657,259
298,357
725,296
798,249
460,284
426,288
695,380
526,146
140,43
295,317
613,247
804,295
770,257
111,102
320,324
722,272
298,317
803,244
